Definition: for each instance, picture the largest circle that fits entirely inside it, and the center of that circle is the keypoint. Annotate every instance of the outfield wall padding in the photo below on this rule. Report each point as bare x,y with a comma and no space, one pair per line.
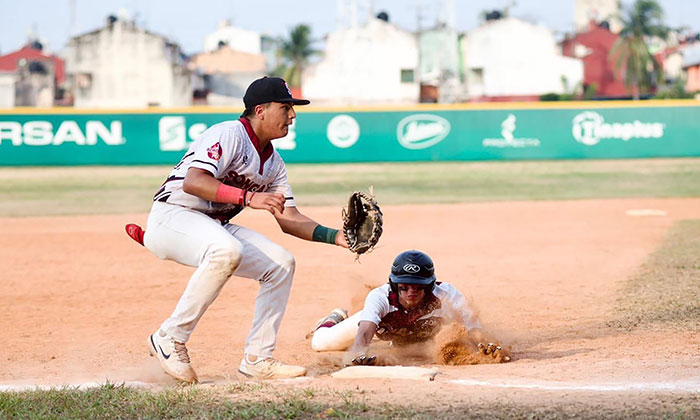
504,131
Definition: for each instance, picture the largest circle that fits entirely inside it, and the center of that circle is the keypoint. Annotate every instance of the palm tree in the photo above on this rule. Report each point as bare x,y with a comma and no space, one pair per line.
296,51
641,21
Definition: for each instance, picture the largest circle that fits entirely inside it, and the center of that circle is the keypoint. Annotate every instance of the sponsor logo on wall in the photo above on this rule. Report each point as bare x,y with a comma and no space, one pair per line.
44,133
420,131
590,128
343,131
507,138
173,134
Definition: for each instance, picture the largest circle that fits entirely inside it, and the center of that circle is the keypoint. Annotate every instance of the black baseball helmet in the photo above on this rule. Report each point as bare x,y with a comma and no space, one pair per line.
412,267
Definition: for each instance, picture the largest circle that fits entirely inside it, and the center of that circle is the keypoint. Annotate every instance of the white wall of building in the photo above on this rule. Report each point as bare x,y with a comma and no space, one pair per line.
7,90
363,65
510,57
598,11
122,65
236,38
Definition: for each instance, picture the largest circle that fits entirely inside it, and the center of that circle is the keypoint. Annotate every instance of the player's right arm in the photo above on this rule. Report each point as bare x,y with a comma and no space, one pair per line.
376,307
358,353
364,336
202,183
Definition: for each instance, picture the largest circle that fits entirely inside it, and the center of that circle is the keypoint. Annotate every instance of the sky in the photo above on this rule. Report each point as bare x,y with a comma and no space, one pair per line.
187,22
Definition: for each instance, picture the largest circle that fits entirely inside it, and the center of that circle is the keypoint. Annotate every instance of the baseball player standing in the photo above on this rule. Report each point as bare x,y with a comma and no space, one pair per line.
230,166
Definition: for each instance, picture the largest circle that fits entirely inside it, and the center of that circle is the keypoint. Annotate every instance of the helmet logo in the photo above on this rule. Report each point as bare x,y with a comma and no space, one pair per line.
411,268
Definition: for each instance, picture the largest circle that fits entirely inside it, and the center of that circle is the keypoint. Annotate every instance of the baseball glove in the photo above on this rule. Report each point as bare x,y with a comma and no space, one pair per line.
362,222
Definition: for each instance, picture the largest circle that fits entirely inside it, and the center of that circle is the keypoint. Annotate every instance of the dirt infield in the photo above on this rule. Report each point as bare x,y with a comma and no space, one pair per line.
80,298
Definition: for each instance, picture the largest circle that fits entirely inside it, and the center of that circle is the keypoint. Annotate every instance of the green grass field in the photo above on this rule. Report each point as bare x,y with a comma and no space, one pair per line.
47,191
264,401
665,292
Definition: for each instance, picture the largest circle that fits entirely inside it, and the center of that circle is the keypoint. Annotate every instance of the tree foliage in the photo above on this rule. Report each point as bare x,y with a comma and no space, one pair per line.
632,58
296,50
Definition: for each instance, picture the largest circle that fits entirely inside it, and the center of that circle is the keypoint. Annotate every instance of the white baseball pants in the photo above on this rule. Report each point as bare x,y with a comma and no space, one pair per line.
338,337
194,239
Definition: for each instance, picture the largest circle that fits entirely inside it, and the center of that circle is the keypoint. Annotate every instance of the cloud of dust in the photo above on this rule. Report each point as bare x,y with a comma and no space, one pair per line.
149,371
455,345
452,345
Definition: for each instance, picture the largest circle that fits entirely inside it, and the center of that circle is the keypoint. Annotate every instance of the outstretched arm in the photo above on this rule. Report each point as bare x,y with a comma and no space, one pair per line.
293,222
357,355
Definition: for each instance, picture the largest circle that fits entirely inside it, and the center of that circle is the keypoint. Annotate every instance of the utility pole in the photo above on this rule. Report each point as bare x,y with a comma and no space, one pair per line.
71,18
419,7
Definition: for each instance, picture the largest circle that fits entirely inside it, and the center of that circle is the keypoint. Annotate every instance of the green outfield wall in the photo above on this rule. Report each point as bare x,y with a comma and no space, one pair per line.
576,130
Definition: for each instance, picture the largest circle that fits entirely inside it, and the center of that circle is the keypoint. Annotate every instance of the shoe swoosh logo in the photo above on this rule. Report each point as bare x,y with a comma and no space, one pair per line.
167,356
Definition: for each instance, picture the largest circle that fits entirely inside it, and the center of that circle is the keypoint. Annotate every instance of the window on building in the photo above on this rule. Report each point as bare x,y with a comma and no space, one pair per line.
84,80
476,75
36,67
407,76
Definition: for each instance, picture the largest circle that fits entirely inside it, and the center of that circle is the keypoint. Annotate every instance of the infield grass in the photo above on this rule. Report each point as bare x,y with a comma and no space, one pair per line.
265,401
665,292
48,191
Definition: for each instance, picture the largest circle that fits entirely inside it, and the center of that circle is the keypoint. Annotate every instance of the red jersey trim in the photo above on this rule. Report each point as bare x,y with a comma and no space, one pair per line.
265,153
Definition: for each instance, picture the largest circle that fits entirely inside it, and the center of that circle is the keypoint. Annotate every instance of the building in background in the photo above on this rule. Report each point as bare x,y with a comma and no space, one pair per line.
372,63
671,61
29,77
7,89
236,38
270,48
508,59
593,47
598,11
691,66
123,65
439,65
227,73
439,72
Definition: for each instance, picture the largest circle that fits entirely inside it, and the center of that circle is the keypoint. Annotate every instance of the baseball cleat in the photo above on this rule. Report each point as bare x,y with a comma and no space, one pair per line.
269,369
135,232
172,356
336,316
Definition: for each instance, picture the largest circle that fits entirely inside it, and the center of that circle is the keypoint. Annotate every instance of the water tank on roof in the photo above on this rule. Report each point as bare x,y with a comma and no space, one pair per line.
494,15
36,45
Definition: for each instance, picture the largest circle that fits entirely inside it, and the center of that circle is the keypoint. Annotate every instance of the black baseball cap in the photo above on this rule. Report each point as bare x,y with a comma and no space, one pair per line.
270,89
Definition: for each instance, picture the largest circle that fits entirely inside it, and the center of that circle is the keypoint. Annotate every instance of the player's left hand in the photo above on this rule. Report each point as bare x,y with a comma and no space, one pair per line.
340,240
267,201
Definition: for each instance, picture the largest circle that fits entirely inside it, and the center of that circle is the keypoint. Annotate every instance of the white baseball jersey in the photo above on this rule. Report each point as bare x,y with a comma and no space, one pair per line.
229,151
401,326
452,303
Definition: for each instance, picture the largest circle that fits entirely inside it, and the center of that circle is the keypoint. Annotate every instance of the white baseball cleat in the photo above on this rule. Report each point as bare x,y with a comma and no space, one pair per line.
336,316
172,356
269,369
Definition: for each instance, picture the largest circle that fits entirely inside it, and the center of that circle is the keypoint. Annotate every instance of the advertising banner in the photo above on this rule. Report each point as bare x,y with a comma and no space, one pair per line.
421,134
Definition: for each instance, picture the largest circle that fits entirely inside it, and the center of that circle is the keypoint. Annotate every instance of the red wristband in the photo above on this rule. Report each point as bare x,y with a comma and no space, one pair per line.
228,194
